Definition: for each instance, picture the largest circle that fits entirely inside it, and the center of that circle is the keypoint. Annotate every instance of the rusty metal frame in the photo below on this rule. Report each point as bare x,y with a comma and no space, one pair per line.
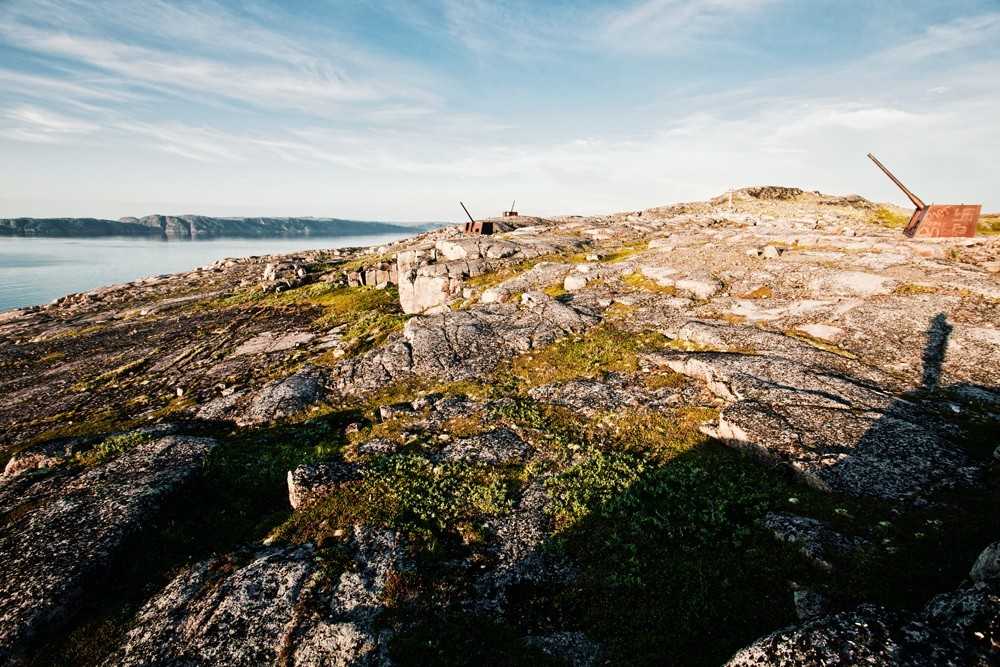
936,220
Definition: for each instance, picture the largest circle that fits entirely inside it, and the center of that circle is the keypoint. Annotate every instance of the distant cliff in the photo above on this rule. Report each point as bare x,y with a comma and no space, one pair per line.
198,226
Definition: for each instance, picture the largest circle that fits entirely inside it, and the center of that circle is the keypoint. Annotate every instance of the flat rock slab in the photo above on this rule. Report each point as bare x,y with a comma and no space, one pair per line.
833,420
64,537
268,342
271,606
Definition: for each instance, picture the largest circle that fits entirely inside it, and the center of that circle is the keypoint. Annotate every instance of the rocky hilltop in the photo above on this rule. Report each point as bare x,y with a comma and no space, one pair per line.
198,227
757,430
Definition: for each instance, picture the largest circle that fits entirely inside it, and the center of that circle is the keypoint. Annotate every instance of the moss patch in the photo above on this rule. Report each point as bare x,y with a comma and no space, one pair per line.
888,217
989,224
112,448
602,349
637,281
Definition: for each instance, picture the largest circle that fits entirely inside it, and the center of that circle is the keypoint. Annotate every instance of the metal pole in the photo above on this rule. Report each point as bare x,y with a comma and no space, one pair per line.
913,198
512,205
467,213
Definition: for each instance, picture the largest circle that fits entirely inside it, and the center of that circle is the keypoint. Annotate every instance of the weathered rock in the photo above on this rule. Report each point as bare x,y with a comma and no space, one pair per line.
500,446
591,396
815,540
422,293
851,283
574,281
809,604
958,628
269,607
268,342
286,397
987,566
65,533
822,331
311,482
868,635
465,344
827,417
573,648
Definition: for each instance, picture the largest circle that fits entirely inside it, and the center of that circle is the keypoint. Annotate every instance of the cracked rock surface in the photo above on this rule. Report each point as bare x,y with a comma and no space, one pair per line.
760,428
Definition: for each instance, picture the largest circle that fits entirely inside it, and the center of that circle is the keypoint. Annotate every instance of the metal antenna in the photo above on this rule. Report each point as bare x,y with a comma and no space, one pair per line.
512,205
467,213
913,198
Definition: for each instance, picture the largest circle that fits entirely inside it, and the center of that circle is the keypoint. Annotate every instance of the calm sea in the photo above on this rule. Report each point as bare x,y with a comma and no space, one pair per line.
37,270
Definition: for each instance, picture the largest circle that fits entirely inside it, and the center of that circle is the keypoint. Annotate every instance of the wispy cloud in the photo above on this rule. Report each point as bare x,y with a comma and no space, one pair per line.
41,126
673,25
960,34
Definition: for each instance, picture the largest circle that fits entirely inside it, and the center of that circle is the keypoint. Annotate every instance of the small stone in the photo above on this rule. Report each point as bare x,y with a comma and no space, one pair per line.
574,282
770,252
809,604
987,566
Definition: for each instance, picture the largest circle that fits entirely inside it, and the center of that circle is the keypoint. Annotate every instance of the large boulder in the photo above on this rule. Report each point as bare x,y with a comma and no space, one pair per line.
464,344
61,535
271,606
954,629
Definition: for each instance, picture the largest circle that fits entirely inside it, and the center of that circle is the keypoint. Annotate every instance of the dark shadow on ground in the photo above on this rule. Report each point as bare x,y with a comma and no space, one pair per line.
233,505
673,567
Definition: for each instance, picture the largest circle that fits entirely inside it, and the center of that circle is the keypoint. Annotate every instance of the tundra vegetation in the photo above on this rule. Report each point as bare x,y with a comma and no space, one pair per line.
687,435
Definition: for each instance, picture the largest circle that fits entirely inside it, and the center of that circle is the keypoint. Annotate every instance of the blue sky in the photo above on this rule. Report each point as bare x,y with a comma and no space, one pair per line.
398,110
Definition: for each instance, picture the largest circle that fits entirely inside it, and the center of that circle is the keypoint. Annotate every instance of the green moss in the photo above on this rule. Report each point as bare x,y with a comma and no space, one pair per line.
113,375
556,291
487,280
75,425
689,560
595,481
601,350
989,225
638,281
111,448
408,492
624,252
888,217
369,315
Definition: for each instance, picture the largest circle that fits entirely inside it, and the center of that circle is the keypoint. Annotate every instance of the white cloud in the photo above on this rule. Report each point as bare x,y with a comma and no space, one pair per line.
674,25
36,125
940,39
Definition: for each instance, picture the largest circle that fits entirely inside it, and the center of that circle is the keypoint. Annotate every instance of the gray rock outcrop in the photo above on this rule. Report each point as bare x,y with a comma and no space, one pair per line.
271,606
61,535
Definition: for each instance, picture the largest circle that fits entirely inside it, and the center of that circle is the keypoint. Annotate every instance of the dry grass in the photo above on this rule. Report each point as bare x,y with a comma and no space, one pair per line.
885,216
638,281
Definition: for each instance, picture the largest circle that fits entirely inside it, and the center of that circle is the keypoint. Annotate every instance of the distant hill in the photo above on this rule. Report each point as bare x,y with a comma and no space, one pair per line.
200,227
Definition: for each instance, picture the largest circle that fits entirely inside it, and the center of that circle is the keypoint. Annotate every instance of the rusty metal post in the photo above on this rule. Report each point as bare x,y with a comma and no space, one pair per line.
913,198
471,219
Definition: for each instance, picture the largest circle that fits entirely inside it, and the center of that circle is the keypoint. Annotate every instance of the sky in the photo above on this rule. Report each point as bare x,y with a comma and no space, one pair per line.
398,110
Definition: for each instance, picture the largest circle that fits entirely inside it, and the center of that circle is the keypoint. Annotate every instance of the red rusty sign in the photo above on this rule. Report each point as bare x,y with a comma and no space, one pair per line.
936,220
944,220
